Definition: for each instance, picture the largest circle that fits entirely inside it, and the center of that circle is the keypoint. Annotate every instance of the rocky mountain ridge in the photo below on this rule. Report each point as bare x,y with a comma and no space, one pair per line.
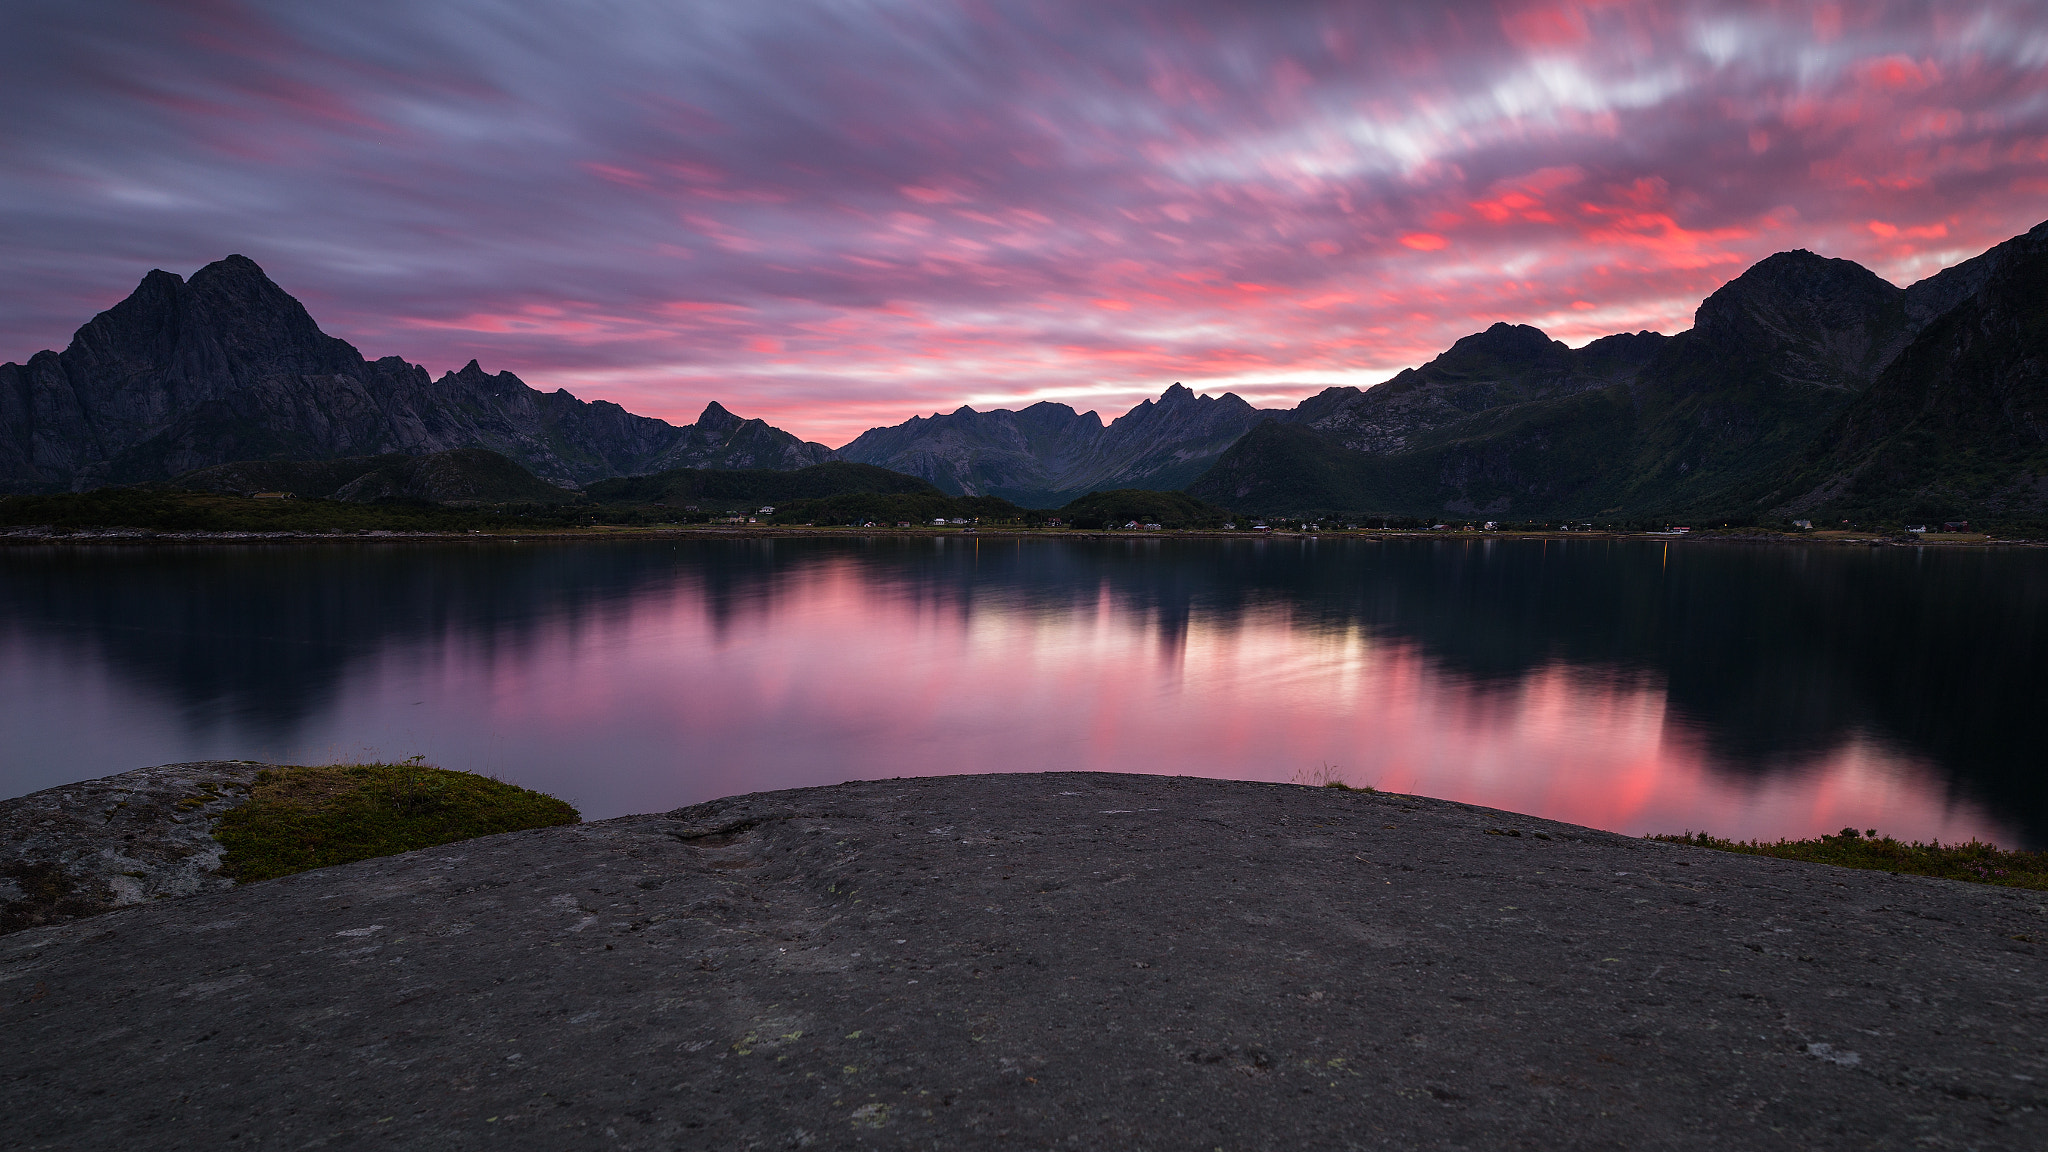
229,367
1048,454
1509,424
1958,419
1805,384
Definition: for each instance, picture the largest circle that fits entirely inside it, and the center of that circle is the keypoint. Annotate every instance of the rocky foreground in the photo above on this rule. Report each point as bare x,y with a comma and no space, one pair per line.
1042,961
82,849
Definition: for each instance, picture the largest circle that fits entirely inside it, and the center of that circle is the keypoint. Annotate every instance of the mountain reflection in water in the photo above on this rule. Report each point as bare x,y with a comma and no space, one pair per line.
1632,685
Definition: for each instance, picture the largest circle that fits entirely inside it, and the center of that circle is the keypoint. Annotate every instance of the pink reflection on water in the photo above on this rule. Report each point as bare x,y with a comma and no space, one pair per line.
671,697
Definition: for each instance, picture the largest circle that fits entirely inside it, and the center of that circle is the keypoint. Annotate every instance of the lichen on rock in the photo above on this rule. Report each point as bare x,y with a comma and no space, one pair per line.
80,849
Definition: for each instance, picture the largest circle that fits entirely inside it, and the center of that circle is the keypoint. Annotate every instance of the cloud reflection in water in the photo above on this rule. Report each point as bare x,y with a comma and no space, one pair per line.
1745,691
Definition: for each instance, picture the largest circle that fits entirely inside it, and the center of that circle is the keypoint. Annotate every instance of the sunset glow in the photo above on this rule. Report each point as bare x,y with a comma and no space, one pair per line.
836,214
851,663
831,675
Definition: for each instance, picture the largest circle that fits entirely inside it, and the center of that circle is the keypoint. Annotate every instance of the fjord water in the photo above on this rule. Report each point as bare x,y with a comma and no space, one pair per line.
1634,685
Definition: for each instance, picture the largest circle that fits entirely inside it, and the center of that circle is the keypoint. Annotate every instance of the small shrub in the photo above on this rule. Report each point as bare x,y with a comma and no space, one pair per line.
1977,862
301,818
1328,776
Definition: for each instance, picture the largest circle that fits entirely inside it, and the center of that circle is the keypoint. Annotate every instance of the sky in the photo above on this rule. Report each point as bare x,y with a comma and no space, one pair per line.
837,214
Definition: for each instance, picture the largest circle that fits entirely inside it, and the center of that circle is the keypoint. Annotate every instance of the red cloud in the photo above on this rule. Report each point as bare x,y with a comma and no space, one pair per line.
835,223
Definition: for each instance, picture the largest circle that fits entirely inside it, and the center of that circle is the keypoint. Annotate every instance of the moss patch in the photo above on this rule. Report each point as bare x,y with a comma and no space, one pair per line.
1975,861
48,895
301,818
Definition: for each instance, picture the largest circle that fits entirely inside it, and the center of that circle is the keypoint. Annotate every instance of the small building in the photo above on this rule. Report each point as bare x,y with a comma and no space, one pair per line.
1803,525
1491,526
768,511
1955,526
1154,527
903,523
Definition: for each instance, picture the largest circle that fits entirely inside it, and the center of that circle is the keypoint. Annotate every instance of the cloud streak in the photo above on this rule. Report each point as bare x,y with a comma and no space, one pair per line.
837,213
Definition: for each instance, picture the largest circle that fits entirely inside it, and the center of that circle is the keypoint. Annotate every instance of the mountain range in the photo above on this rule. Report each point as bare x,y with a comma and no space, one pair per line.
1807,386
1048,454
228,367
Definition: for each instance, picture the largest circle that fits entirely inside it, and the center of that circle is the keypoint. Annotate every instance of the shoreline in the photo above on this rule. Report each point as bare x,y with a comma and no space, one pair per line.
45,535
1033,959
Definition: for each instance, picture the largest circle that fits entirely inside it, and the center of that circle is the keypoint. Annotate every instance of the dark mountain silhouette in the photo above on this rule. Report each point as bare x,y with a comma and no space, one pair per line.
1047,454
1776,380
457,476
229,367
1806,386
1956,424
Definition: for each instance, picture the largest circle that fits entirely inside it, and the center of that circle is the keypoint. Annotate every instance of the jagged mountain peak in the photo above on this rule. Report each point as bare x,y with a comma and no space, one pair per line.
1938,374
229,323
1048,453
1178,395
237,287
473,376
1798,319
1503,338
228,366
1796,285
716,418
233,267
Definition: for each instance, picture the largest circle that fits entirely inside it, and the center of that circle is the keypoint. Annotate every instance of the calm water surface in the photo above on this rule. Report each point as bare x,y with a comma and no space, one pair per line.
1630,685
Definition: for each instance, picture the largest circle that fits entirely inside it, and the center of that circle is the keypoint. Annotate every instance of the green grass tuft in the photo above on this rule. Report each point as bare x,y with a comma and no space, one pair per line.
1976,862
300,818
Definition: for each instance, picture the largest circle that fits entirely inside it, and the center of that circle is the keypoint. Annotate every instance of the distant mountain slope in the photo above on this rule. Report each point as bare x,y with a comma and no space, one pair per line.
230,367
1506,365
1956,425
755,486
1046,454
1117,507
1020,456
1509,423
458,476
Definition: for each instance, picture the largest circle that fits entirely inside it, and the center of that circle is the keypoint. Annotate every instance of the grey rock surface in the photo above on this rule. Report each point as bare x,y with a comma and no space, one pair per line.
81,849
1042,961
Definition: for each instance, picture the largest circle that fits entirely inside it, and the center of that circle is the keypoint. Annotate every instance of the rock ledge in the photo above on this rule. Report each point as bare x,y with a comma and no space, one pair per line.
1040,961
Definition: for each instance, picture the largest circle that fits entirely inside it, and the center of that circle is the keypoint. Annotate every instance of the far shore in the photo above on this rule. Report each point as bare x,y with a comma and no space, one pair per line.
43,534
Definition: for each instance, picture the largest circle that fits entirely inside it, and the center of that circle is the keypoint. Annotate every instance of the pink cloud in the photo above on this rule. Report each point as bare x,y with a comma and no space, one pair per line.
841,222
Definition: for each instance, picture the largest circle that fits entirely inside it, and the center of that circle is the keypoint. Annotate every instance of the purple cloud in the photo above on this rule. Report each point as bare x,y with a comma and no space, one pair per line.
836,214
